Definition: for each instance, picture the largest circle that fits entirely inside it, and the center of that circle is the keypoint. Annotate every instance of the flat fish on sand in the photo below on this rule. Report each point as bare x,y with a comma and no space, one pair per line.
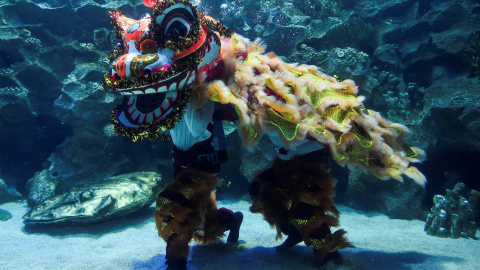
112,197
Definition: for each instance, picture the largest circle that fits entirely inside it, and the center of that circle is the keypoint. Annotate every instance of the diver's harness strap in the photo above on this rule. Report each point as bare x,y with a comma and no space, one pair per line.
206,155
321,155
219,141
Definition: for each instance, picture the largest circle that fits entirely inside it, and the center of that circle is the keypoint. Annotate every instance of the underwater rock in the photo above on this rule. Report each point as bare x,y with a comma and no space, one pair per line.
43,185
388,53
5,215
452,215
75,162
339,62
454,113
326,8
392,198
8,193
383,8
102,200
3,188
34,58
290,36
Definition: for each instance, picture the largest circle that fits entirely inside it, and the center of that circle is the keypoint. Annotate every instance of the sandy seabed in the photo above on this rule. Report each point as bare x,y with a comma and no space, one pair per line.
132,243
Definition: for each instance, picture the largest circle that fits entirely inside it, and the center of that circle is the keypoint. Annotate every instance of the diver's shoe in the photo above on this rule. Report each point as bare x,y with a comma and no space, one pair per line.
180,264
293,238
235,228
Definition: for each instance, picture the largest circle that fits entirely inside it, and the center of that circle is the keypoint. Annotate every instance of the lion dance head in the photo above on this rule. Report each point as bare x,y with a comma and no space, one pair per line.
156,61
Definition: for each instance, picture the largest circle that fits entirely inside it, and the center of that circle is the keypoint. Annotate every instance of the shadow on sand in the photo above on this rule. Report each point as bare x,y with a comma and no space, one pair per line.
236,257
97,229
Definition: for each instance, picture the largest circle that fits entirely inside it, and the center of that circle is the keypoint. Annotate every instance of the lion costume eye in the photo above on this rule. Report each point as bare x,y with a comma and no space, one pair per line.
177,26
176,21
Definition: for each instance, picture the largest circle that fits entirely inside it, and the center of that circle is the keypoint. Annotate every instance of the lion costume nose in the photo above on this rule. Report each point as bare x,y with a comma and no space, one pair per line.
149,3
133,65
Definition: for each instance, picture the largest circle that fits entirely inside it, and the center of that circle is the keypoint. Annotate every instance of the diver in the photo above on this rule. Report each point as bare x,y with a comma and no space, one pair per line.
186,208
295,195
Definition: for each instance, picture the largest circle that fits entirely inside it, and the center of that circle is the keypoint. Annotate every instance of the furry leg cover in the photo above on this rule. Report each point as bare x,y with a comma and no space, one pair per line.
187,209
300,193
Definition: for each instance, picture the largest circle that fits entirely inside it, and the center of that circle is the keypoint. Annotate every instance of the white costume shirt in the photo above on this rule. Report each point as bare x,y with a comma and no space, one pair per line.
300,148
193,129
193,126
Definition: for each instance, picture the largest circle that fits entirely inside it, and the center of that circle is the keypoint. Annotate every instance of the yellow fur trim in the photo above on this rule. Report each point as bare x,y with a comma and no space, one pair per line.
299,101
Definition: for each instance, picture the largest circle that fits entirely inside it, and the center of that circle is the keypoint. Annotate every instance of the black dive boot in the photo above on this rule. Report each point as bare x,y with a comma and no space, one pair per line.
180,264
231,222
235,227
173,262
294,237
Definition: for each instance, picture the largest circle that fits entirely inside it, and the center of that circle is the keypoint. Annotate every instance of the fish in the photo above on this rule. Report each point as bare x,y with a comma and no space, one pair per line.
102,200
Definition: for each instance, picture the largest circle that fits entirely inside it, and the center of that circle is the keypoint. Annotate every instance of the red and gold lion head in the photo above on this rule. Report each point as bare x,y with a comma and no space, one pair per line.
156,61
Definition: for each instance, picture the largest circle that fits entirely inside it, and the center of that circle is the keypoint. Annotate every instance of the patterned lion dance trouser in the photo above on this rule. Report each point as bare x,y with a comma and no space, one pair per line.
187,209
300,193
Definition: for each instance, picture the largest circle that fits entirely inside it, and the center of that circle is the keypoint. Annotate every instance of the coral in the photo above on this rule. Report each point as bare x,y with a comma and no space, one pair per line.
396,100
392,97
474,200
415,96
452,215
102,38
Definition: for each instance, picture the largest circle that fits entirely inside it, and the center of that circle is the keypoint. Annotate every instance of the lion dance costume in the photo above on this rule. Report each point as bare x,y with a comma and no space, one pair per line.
182,73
